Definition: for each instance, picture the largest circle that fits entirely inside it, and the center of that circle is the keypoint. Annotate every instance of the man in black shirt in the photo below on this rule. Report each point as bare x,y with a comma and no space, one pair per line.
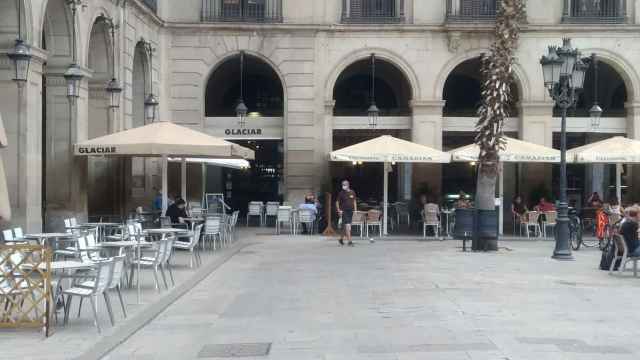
629,230
177,212
346,205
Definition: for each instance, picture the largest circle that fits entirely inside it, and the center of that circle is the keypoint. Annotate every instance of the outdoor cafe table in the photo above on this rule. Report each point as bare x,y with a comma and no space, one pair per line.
102,227
49,238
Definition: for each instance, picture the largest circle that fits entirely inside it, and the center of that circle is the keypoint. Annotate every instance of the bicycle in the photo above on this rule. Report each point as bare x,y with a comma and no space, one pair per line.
575,230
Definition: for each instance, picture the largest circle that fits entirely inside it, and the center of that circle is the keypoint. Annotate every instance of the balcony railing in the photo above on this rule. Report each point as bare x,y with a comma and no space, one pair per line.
595,11
252,11
151,4
372,11
471,10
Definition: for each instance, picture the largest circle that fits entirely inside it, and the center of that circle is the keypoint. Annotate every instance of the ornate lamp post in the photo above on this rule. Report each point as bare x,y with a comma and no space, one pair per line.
74,74
241,108
564,73
373,112
596,111
21,54
151,102
113,86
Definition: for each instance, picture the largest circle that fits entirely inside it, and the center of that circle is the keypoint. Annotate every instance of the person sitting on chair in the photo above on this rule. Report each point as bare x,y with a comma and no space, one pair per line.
309,204
177,212
629,231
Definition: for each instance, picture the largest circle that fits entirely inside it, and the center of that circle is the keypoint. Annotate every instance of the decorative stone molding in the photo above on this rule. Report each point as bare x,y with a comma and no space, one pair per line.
329,105
454,40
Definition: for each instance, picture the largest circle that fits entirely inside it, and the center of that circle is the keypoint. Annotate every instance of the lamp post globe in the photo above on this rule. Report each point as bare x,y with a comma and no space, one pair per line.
373,113
151,108
21,58
114,89
241,113
73,76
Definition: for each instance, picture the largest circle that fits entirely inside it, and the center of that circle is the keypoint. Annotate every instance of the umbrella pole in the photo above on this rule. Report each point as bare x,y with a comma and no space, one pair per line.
619,182
165,190
183,179
501,196
385,199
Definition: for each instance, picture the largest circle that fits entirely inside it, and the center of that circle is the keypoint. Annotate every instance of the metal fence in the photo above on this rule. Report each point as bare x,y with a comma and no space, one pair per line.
25,286
471,10
151,4
595,11
372,11
257,11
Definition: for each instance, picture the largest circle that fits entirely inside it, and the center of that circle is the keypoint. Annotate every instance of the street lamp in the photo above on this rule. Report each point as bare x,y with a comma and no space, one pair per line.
151,108
373,112
114,89
73,77
241,108
21,54
596,111
564,74
113,86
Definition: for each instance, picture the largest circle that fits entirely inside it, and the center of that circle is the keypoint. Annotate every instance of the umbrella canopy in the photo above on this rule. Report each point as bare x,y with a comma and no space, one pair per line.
515,151
5,208
615,150
388,149
162,139
238,164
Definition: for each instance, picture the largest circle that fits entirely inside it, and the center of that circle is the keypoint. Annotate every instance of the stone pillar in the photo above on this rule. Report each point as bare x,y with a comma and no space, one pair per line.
632,174
536,126
427,130
22,116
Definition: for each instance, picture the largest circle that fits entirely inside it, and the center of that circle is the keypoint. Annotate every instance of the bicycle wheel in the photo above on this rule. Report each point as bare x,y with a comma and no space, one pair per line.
576,241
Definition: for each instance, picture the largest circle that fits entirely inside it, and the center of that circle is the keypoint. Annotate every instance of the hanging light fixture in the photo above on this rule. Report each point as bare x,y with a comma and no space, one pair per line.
241,108
151,102
73,75
373,112
21,54
596,111
113,86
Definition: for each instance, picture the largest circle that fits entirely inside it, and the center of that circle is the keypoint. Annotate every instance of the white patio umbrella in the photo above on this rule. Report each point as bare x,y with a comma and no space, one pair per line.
515,151
5,206
162,139
388,150
617,150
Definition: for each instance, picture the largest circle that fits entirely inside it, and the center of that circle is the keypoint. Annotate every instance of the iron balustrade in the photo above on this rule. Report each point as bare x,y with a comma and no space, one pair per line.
595,11
251,11
151,4
372,11
471,10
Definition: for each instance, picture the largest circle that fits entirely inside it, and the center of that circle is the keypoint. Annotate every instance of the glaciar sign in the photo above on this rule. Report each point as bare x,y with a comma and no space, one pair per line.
97,150
243,132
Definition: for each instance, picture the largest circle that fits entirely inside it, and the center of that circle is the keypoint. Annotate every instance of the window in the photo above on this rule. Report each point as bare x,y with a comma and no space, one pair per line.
471,10
372,11
242,10
595,11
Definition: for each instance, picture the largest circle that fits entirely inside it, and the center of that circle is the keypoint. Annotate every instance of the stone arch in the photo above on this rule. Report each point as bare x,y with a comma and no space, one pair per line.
621,66
381,54
230,55
522,81
98,27
140,84
56,35
9,11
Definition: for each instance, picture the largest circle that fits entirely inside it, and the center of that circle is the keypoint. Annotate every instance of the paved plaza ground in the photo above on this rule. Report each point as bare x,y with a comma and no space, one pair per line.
306,298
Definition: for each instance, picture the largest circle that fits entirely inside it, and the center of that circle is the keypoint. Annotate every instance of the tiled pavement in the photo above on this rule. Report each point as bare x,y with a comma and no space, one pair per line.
306,298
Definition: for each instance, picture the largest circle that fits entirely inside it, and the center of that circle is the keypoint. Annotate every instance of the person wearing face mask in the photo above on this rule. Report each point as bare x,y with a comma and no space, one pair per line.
346,205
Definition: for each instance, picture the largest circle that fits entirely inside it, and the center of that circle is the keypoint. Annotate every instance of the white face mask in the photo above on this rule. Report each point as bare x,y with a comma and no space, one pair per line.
345,187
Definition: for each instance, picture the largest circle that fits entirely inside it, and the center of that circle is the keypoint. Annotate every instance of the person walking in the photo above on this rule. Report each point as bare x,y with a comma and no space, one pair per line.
346,205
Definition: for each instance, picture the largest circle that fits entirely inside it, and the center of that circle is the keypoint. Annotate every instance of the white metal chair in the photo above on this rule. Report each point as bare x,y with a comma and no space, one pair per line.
114,284
402,212
431,219
285,217
17,233
307,217
154,262
622,255
373,220
532,221
7,235
212,231
359,220
191,246
101,281
549,220
255,210
271,210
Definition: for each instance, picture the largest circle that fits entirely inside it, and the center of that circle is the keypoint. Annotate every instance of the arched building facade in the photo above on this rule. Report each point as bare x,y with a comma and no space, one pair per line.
306,85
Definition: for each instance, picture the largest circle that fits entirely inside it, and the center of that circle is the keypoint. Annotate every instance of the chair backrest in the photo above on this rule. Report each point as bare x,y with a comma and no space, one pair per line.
196,236
91,240
116,273
73,221
212,225
620,245
255,208
401,208
358,217
67,224
17,232
284,213
235,218
168,249
550,217
131,230
373,215
82,247
7,235
306,216
272,209
532,217
165,221
104,272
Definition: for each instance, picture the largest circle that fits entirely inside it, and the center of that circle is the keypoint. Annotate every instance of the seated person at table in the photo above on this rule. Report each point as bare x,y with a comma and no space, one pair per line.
544,205
309,204
462,202
177,212
518,208
629,231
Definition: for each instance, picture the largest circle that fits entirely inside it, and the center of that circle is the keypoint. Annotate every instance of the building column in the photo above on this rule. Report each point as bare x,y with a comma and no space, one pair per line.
633,132
536,126
427,130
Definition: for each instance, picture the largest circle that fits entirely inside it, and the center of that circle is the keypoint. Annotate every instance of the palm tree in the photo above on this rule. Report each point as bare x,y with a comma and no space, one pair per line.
496,94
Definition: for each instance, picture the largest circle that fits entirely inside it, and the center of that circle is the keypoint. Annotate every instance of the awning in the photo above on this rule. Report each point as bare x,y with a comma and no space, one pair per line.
239,164
615,150
388,149
162,139
515,151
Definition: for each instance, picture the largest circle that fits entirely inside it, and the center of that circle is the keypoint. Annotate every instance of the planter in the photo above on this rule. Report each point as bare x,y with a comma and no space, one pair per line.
485,236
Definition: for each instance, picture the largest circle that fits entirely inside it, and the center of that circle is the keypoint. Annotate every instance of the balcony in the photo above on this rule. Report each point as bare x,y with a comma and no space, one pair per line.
471,10
151,4
372,11
242,11
595,11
